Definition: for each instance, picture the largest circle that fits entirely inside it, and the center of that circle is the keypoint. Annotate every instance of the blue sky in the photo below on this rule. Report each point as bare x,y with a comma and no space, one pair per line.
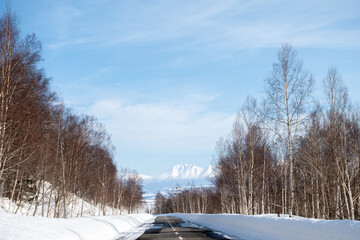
167,77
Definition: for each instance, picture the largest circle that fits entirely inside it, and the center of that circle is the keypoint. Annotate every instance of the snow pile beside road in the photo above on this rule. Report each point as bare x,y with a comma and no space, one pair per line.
44,205
105,227
269,226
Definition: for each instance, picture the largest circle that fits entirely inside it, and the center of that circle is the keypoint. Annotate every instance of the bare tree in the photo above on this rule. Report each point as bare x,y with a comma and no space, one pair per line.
339,125
249,116
288,89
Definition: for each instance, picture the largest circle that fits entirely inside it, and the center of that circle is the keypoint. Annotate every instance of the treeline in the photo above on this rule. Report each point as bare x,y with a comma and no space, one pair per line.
49,156
192,200
292,154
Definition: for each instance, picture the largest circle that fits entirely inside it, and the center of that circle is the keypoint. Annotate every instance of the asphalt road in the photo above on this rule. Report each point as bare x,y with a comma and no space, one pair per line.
175,228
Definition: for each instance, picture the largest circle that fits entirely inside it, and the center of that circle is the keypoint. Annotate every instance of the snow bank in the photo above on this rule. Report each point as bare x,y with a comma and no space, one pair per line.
75,206
105,227
269,226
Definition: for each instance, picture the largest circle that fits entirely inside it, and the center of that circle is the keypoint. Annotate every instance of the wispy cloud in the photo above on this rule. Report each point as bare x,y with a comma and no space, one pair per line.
185,123
227,24
61,44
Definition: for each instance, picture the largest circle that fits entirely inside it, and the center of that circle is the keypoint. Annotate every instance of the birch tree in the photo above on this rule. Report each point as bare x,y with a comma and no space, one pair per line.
288,90
339,125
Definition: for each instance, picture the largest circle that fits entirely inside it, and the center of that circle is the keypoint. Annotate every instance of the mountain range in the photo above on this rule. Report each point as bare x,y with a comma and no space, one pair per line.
180,175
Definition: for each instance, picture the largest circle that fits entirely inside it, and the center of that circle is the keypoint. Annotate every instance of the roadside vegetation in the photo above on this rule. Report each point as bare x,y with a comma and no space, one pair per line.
289,153
51,157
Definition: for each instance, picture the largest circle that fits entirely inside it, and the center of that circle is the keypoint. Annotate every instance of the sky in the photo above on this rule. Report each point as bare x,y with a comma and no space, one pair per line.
168,77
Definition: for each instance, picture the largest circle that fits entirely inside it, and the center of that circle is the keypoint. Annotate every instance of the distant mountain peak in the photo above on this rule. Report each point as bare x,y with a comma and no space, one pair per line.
186,171
179,175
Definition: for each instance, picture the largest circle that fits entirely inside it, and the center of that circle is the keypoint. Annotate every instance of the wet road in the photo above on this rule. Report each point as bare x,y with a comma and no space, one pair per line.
176,229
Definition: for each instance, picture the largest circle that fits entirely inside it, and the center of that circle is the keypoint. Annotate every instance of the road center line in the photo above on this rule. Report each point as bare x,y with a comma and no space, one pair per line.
178,235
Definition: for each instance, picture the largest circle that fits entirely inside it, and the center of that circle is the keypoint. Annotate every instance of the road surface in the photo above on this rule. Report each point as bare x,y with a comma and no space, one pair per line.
175,228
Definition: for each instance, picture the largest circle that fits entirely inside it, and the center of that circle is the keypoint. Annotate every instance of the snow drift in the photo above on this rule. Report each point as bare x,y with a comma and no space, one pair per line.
269,226
105,227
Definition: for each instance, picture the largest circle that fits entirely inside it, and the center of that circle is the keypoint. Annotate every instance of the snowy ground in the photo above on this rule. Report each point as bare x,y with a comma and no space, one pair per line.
269,226
27,223
75,206
87,228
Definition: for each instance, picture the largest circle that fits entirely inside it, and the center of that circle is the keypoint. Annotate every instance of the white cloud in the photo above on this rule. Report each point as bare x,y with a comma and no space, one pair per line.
185,123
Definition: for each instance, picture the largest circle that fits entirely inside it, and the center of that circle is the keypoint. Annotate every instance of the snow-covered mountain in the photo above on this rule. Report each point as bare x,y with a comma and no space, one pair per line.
179,175
182,172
